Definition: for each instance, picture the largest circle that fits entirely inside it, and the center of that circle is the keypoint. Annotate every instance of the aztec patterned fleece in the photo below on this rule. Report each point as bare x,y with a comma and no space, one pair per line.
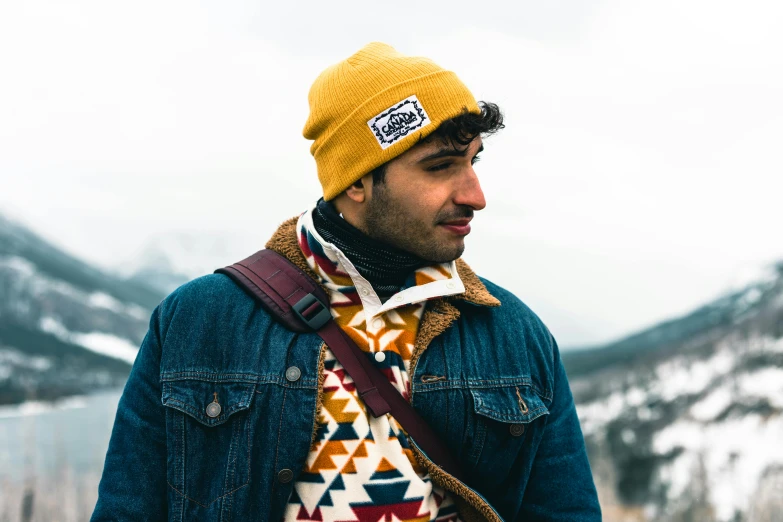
361,468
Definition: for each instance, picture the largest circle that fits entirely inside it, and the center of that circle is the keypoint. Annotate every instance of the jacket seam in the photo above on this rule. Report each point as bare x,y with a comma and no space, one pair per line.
275,482
250,378
524,419
187,408
211,502
306,383
488,384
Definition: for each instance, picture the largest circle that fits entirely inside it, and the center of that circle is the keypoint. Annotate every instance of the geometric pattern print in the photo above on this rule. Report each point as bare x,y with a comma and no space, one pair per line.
361,468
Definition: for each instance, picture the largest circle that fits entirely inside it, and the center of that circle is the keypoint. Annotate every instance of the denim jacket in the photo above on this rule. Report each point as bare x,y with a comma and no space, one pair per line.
221,407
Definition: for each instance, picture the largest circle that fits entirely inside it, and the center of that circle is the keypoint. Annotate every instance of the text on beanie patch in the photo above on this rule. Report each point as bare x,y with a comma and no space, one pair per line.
398,121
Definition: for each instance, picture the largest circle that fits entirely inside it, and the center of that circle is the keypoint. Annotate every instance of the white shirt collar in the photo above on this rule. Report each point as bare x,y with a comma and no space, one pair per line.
370,301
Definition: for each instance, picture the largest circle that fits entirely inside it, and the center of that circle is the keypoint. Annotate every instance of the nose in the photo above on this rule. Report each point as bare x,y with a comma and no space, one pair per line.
469,192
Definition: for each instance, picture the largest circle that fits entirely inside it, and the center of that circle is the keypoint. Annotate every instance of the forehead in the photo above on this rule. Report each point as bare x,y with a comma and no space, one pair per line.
432,145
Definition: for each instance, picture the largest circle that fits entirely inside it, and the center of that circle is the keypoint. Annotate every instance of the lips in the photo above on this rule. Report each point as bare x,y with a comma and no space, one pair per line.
460,227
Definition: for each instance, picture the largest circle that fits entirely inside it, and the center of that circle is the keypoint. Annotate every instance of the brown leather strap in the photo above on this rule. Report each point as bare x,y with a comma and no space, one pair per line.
277,284
302,306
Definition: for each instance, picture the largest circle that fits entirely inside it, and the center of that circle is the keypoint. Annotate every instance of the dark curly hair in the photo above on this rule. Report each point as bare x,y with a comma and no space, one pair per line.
459,131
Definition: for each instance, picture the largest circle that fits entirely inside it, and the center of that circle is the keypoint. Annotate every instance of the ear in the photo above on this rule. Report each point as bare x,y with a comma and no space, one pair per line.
360,191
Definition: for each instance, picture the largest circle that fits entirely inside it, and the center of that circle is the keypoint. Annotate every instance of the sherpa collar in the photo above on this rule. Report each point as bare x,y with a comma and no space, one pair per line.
284,242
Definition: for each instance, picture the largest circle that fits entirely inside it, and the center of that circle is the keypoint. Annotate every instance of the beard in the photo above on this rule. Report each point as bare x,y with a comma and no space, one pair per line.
387,220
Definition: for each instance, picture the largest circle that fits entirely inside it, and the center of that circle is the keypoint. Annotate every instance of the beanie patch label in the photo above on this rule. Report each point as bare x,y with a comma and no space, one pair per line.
398,121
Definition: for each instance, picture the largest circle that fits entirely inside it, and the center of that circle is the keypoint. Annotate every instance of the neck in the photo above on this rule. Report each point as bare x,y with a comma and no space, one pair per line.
384,266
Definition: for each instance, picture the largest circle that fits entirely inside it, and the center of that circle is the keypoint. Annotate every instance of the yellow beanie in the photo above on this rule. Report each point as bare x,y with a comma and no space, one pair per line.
374,106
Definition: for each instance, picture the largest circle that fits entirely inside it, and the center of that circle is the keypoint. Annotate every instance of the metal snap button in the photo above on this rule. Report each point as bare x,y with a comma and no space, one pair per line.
517,430
214,408
285,475
293,373
380,356
378,323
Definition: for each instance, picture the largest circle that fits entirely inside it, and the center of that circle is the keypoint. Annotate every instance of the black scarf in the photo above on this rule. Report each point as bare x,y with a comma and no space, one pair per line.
385,267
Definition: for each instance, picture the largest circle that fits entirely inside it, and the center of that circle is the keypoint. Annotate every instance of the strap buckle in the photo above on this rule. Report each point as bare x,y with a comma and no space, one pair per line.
375,401
312,311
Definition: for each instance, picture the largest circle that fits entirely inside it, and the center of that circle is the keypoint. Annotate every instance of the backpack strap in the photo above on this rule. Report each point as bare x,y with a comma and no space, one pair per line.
301,305
283,289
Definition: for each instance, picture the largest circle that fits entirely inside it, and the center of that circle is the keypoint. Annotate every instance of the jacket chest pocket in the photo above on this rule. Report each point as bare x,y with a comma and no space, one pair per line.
504,418
208,437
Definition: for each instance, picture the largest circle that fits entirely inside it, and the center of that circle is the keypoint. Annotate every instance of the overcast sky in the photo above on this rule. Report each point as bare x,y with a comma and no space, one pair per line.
639,174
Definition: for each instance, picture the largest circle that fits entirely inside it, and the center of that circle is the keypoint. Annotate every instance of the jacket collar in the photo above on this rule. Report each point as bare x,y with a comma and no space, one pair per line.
284,242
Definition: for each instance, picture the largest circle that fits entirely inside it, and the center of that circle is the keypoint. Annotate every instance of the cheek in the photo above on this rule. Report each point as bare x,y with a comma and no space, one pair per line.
421,206
419,198
427,196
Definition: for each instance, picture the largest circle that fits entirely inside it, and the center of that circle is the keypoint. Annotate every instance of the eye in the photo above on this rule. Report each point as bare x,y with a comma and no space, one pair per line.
439,166
475,160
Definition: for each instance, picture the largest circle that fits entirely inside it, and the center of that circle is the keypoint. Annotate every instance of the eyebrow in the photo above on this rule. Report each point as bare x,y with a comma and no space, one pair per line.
448,153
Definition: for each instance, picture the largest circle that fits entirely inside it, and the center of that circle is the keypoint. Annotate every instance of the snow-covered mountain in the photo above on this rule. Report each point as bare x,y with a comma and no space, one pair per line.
684,421
65,327
170,259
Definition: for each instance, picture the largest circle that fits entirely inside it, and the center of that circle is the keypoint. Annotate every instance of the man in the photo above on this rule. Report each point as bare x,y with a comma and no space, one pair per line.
227,415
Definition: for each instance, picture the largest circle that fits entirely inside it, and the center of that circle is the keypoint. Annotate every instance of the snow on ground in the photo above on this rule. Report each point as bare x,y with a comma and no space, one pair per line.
137,312
595,415
776,345
11,358
104,300
752,296
679,376
766,383
735,454
107,344
99,342
677,474
712,405
746,301
18,264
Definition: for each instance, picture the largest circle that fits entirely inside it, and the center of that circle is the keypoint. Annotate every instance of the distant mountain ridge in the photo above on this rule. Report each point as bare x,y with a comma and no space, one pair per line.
722,311
684,421
173,258
17,240
65,327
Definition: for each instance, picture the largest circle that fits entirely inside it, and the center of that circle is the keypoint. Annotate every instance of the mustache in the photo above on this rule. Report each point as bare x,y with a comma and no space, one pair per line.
461,212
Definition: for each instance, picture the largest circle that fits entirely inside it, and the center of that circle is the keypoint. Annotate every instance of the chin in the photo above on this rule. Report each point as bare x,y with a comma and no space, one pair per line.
444,255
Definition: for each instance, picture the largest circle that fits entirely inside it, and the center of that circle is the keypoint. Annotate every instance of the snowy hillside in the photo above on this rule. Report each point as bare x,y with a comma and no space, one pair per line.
685,421
65,327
